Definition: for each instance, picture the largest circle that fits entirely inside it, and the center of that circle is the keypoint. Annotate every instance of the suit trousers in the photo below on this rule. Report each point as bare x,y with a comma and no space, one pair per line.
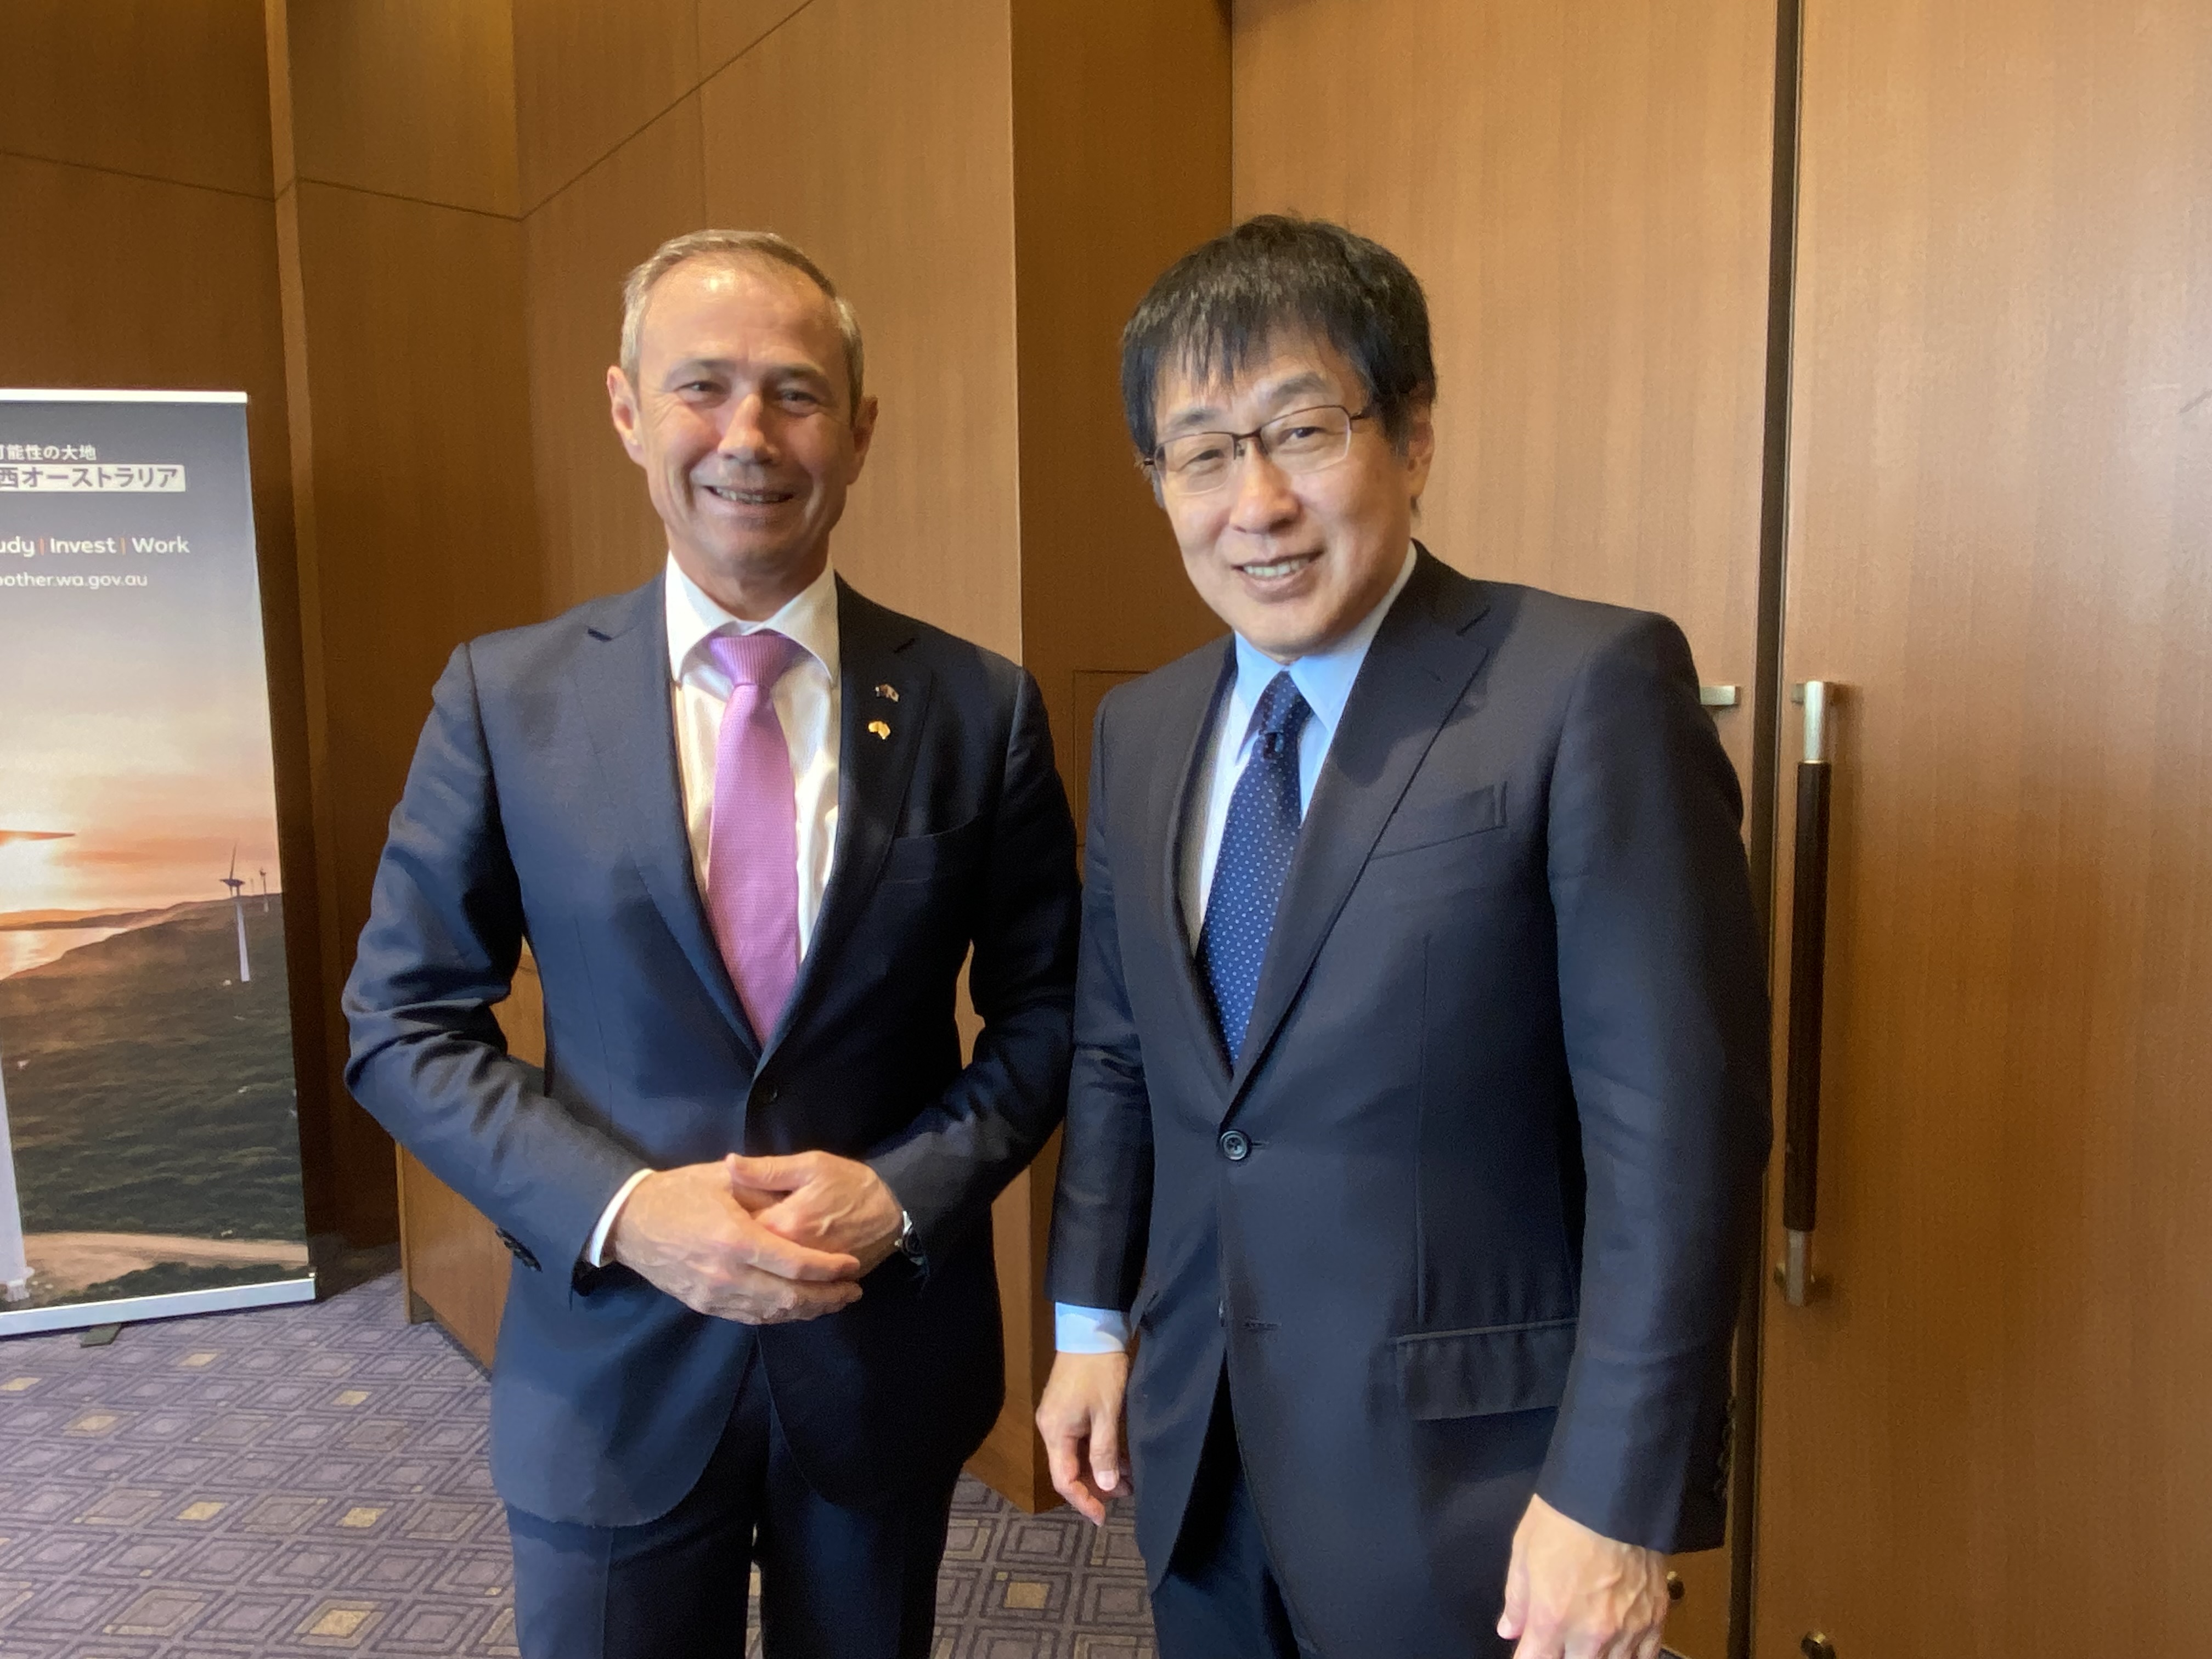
834,1582
1220,1595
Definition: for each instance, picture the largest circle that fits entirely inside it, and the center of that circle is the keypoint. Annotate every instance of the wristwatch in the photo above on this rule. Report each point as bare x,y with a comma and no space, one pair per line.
909,1241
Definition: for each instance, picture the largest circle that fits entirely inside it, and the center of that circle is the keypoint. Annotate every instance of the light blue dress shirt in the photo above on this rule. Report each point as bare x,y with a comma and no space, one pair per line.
1325,681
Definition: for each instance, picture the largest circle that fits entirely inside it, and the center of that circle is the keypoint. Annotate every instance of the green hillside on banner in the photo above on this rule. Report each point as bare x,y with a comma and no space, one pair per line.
150,1092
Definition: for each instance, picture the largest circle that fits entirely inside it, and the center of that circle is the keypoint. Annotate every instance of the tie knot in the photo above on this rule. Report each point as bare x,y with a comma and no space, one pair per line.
760,658
1282,710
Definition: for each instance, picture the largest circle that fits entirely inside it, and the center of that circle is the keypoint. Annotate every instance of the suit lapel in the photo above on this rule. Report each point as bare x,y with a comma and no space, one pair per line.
1185,744
1416,672
873,769
624,685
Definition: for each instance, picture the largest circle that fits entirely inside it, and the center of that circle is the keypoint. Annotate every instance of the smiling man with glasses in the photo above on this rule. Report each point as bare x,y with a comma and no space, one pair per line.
1419,1098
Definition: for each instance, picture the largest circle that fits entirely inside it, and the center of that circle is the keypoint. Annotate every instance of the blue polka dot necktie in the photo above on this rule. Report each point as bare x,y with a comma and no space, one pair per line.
1257,840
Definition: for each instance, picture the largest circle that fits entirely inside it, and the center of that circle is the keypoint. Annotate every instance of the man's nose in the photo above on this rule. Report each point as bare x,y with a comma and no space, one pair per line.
1264,499
745,434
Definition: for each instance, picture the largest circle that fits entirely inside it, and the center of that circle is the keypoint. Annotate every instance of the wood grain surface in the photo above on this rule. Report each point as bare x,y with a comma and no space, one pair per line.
1989,1441
598,531
589,76
175,90
412,98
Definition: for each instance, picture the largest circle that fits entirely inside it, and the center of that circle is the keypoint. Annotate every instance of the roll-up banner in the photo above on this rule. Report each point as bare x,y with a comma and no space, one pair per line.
150,1148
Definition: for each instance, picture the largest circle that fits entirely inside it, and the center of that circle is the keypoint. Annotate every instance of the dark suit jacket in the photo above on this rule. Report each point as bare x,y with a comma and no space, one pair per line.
544,805
1504,1103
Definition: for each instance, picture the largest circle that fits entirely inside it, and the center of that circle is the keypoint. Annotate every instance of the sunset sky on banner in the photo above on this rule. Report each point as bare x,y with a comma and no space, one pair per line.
137,719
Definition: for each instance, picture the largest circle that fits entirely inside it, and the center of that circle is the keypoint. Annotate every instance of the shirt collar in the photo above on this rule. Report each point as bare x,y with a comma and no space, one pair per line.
809,617
1324,680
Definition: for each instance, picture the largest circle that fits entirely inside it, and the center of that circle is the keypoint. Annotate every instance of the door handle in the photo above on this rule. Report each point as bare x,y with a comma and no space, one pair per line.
1808,956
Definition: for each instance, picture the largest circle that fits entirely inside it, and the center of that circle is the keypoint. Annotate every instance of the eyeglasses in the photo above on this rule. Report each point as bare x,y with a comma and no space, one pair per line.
1304,440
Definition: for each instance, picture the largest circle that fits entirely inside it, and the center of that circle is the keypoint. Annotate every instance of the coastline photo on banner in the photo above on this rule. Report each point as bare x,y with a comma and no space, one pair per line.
149,1157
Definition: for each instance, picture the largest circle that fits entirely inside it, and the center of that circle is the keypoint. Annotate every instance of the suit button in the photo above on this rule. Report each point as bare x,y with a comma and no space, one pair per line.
769,1094
1235,1146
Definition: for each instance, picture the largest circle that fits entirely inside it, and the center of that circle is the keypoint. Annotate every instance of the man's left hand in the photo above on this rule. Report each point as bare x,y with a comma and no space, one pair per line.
815,1197
1574,1594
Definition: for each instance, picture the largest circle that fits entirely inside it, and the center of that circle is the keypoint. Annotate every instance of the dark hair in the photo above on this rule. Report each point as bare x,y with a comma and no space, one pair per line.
1224,301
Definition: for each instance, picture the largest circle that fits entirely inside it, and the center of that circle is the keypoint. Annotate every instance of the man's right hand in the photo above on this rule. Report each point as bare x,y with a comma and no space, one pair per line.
1080,1419
685,1231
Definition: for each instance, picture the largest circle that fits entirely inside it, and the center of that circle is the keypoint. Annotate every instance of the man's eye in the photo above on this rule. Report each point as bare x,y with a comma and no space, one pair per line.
1203,455
794,398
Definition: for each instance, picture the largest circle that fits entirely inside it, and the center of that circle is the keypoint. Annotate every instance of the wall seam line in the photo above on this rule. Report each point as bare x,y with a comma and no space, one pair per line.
658,116
142,178
774,28
401,196
615,149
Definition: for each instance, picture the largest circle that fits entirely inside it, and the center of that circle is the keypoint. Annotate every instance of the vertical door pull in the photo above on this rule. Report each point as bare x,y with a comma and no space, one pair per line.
1809,954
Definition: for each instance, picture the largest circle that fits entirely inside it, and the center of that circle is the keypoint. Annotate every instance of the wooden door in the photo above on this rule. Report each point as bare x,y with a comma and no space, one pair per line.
1582,188
1992,1438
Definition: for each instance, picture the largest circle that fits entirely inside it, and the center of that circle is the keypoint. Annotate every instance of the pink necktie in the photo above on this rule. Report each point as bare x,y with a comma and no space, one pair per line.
752,845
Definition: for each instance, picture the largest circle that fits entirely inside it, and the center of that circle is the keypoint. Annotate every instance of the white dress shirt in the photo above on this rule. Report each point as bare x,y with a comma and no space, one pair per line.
807,702
1325,681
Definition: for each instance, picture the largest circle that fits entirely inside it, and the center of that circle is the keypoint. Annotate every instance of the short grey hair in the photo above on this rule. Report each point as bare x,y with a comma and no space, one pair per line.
733,248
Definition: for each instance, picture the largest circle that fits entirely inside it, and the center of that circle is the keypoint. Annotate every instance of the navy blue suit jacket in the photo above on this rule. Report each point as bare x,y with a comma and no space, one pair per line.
544,805
1500,1113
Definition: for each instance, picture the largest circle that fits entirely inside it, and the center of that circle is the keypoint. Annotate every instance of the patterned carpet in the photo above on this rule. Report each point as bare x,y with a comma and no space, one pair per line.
311,1480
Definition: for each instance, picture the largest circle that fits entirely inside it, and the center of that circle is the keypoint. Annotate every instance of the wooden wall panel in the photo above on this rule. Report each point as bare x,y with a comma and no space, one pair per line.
173,89
412,98
416,409
1582,188
727,27
898,181
599,531
589,76
1121,133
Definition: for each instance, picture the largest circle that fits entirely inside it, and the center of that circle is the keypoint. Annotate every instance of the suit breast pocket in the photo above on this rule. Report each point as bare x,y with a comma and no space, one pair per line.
948,854
1418,824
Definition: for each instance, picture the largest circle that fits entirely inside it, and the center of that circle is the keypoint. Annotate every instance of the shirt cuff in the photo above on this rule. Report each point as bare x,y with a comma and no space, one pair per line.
1089,1330
595,1252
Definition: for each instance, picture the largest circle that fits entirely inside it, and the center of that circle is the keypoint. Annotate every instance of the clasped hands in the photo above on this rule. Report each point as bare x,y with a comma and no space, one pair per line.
763,1241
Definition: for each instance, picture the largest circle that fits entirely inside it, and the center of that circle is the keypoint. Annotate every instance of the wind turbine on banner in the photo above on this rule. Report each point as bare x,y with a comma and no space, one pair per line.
264,892
237,886
14,1267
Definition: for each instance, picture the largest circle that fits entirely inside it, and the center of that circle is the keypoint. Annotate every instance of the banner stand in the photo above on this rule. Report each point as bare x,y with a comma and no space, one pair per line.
149,1108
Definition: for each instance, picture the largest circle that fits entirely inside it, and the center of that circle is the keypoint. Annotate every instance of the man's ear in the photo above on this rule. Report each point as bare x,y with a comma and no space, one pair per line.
622,407
864,431
1420,444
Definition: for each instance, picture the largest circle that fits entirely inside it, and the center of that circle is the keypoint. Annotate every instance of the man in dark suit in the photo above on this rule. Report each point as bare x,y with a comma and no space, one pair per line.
1419,1096
751,824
